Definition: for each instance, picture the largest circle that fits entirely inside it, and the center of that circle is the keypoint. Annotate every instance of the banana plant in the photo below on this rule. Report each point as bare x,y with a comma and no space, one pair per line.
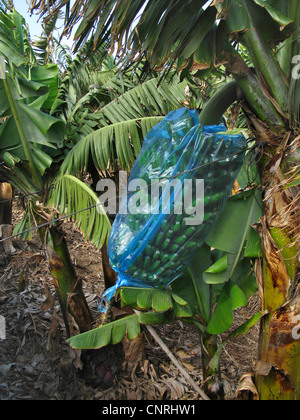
221,278
30,138
108,135
31,152
202,35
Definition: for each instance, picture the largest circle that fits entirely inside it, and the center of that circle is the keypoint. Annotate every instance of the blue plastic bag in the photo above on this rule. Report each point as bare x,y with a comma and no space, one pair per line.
183,167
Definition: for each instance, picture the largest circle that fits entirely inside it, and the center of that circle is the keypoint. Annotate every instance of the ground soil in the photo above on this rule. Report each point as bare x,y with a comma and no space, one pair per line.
36,362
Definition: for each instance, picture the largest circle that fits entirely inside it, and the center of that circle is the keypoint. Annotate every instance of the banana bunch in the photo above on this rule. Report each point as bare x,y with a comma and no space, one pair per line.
153,249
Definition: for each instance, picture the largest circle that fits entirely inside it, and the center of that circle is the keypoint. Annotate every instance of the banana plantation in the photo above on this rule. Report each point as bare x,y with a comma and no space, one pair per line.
150,201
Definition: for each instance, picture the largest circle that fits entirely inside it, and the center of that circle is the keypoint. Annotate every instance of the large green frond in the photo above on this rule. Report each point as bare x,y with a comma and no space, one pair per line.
163,30
113,332
125,122
148,98
69,196
157,306
119,141
41,44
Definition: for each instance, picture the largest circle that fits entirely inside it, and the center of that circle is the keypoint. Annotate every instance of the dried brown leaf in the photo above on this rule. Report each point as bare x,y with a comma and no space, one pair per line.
246,389
134,351
50,300
53,328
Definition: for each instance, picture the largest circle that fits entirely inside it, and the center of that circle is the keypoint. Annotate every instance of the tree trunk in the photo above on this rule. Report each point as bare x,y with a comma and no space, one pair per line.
5,203
278,370
68,287
278,373
6,228
277,376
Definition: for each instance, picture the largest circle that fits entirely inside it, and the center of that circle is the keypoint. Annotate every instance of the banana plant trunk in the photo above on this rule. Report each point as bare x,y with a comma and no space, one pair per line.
213,386
6,228
278,373
67,285
278,367
5,203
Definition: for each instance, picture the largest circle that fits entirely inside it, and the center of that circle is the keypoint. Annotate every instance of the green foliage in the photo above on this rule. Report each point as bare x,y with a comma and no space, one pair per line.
241,330
124,122
120,141
31,139
257,41
150,299
169,30
203,35
220,279
104,113
295,182
155,307
70,195
26,133
42,45
110,333
110,129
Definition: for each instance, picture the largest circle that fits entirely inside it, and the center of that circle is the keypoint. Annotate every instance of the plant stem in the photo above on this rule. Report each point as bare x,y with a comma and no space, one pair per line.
5,203
218,104
264,61
254,93
211,372
67,285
